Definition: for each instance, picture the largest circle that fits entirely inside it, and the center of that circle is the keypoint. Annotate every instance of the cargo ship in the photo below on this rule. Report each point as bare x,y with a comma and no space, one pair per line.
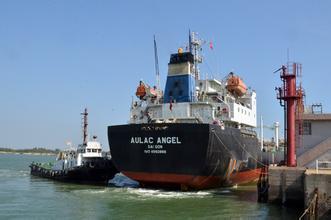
196,134
85,164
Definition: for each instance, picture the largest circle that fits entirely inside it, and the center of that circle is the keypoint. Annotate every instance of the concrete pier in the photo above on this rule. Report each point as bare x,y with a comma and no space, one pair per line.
319,181
286,185
299,186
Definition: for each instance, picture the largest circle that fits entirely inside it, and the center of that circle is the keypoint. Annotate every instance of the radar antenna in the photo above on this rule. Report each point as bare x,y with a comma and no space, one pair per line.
195,47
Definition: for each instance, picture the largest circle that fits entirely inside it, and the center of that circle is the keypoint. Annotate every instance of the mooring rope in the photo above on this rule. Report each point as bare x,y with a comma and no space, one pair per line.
311,207
258,161
259,172
219,139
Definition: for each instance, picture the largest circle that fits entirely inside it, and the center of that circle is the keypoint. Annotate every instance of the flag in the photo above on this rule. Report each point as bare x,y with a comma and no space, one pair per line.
211,45
170,106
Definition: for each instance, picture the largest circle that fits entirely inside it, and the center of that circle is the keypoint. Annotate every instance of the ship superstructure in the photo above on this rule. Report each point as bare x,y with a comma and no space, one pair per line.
190,100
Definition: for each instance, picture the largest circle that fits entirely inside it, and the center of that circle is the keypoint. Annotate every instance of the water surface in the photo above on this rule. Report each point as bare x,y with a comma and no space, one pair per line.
27,197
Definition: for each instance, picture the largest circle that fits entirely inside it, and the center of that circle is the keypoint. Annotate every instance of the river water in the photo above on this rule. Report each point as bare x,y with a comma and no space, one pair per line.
26,197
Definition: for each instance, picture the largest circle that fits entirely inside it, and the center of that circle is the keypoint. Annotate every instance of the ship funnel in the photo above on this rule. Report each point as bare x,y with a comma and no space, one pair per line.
180,85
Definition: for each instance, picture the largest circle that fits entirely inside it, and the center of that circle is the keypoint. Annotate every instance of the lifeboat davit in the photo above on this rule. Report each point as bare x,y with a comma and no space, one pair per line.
236,85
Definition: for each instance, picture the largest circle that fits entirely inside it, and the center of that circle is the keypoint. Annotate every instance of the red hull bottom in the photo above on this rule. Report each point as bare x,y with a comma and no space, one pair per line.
245,177
191,181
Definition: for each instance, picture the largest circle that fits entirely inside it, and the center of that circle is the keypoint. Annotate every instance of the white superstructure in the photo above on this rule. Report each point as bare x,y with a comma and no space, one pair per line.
188,99
214,104
72,158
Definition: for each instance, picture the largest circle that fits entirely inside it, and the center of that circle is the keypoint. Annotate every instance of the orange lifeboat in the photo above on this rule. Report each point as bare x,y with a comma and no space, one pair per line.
236,85
144,91
141,90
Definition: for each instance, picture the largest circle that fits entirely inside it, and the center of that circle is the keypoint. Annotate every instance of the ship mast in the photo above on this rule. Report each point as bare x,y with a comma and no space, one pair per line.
156,59
195,46
85,114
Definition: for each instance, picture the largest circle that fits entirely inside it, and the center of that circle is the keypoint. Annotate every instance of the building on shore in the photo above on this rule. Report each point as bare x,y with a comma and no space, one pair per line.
313,138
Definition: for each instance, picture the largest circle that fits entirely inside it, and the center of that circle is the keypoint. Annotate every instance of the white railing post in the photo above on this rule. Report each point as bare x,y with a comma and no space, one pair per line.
317,166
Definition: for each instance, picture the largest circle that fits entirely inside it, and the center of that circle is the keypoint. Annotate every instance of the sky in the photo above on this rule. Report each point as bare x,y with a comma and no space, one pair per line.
58,57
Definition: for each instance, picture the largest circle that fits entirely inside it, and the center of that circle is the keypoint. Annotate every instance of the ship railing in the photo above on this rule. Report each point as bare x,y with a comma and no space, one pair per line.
326,165
248,132
175,120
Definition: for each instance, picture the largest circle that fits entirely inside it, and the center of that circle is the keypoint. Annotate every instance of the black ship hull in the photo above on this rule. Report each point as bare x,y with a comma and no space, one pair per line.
101,171
184,155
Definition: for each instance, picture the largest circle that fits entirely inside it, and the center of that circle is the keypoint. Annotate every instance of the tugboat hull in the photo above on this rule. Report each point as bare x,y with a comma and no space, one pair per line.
184,155
99,173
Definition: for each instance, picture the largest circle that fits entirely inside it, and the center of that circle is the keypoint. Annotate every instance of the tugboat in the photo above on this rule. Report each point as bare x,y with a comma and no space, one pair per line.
86,164
197,134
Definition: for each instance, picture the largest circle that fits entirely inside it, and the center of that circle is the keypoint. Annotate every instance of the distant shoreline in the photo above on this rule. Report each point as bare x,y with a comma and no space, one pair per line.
27,153
33,151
